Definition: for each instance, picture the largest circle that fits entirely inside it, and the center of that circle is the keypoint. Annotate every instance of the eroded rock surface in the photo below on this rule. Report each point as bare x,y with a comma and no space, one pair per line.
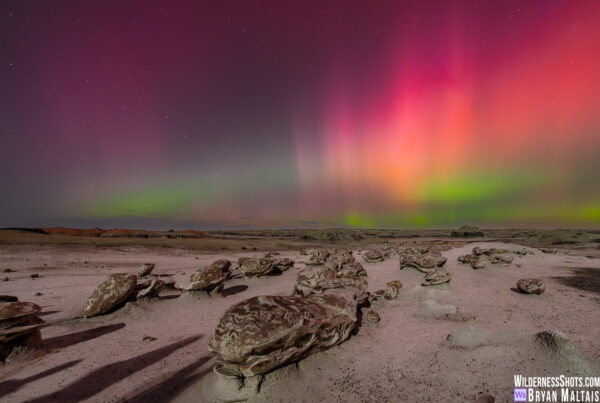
111,293
19,327
146,269
265,332
256,267
207,279
424,260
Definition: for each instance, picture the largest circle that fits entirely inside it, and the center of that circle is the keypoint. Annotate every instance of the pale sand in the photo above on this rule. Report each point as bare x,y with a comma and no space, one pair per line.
404,357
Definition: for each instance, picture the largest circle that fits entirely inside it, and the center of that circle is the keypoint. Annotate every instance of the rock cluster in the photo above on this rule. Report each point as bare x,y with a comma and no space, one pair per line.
423,259
19,327
480,257
319,279
209,279
531,286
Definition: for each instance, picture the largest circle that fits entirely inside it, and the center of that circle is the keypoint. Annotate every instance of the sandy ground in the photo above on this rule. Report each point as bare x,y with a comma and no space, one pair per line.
405,357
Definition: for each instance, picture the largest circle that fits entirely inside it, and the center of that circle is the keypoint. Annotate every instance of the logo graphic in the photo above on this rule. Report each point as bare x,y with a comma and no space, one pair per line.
520,395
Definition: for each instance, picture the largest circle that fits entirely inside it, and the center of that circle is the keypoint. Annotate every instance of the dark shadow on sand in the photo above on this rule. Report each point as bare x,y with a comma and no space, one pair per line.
101,378
170,296
44,313
79,337
171,387
236,289
583,278
13,385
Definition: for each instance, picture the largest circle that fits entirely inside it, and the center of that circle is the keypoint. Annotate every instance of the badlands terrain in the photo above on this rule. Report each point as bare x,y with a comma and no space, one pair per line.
457,337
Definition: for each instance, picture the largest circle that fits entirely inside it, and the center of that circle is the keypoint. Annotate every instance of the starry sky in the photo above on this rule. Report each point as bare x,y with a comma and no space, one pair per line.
239,114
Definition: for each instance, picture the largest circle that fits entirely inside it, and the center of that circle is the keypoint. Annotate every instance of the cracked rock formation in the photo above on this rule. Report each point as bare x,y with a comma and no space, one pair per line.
266,332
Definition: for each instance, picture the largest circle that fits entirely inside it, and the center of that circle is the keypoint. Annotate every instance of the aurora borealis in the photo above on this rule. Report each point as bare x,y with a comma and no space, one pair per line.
195,114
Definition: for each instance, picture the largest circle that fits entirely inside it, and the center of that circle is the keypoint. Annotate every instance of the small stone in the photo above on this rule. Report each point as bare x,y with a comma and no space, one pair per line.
148,338
146,269
152,290
377,297
34,275
8,270
8,298
393,289
478,264
531,286
372,316
38,294
5,279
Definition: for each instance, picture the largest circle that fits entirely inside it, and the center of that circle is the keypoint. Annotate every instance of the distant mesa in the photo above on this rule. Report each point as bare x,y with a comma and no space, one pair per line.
467,231
121,233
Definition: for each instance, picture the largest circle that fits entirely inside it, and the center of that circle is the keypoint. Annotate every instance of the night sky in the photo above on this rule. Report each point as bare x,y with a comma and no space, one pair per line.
196,114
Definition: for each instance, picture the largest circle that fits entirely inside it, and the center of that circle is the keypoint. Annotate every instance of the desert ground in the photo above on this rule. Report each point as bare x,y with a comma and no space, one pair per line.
450,342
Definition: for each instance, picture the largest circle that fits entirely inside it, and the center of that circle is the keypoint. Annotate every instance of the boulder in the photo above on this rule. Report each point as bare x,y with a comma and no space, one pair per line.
373,256
531,286
256,267
146,269
265,332
436,277
19,327
425,261
318,257
340,257
111,293
207,279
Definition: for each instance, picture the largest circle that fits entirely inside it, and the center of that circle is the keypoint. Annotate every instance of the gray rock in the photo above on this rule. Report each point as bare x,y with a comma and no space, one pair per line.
111,293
